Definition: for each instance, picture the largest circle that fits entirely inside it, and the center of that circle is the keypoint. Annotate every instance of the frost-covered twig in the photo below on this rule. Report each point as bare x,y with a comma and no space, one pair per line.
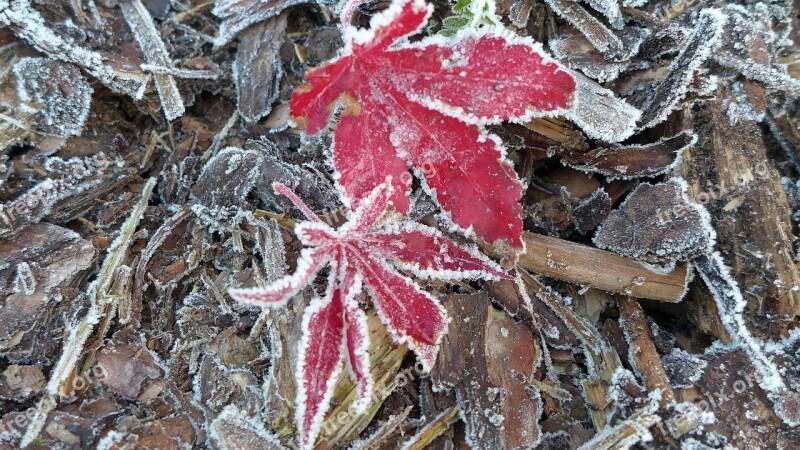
772,78
181,73
99,300
589,266
433,430
632,430
155,53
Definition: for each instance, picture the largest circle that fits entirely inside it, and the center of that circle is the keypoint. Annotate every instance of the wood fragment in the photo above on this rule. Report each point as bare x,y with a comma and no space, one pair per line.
258,70
602,360
642,351
155,53
487,358
627,433
557,130
588,266
379,438
595,31
432,430
764,227
641,160
31,26
240,14
600,114
702,43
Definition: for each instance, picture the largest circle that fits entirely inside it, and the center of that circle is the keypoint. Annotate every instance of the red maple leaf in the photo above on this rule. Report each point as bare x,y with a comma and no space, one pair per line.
361,253
422,105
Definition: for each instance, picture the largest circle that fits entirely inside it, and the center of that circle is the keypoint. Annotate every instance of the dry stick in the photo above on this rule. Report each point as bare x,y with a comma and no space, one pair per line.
155,53
99,300
642,351
432,430
626,433
589,266
377,440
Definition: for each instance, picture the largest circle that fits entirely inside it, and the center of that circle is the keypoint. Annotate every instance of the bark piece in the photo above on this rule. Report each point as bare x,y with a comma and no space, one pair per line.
600,114
33,268
240,14
634,160
29,25
258,69
750,211
672,89
488,359
126,369
227,178
601,37
747,50
21,382
63,92
658,224
234,429
730,388
592,211
170,433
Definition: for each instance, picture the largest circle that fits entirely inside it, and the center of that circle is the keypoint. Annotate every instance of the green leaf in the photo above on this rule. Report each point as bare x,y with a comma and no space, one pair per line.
455,22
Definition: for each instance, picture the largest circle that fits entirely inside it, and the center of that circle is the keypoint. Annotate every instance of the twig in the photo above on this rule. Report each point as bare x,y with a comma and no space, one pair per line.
155,53
99,300
589,266
433,430
642,351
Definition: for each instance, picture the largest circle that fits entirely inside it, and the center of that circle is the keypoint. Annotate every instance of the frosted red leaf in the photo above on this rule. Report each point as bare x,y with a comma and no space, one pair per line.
421,106
363,252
